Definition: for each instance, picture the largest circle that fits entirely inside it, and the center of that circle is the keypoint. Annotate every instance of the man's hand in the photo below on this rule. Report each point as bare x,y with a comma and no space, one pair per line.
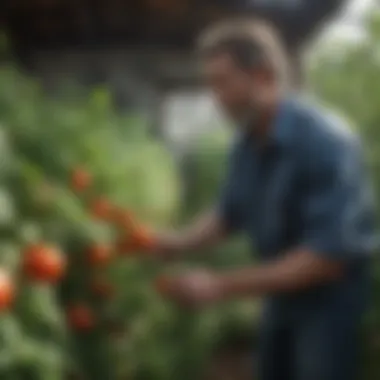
194,289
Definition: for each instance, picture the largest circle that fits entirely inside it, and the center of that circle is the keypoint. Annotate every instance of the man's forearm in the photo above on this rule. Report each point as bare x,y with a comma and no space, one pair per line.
206,231
295,271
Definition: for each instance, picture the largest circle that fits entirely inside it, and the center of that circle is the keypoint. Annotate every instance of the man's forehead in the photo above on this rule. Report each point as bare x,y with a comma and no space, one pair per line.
220,60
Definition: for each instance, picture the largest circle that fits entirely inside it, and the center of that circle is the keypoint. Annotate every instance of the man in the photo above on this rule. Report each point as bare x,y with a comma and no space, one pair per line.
297,185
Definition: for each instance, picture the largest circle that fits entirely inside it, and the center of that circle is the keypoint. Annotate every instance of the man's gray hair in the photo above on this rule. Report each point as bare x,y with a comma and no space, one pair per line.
251,43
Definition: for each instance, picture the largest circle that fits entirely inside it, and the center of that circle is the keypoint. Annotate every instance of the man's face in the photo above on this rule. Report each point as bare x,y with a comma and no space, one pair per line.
237,91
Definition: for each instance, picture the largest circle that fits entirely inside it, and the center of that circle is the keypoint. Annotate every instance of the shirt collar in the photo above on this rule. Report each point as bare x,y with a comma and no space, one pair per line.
281,129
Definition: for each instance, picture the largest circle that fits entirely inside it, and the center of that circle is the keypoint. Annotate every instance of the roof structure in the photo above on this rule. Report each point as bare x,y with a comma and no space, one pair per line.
159,23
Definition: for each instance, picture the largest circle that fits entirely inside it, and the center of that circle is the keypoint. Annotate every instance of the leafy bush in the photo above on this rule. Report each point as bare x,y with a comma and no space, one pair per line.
43,141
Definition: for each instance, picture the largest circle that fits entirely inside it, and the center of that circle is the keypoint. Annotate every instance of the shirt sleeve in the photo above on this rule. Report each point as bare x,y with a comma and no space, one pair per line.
337,205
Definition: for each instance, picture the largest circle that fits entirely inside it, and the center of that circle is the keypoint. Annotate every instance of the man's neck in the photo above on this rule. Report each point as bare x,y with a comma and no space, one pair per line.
262,128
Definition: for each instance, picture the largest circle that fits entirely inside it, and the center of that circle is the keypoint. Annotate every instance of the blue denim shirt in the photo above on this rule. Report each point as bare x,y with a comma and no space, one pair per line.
308,187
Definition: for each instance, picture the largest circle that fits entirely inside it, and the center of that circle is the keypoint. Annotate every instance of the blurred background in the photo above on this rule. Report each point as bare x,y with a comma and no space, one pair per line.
101,104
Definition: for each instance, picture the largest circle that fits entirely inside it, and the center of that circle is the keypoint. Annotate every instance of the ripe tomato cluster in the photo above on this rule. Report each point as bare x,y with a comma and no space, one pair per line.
47,264
132,237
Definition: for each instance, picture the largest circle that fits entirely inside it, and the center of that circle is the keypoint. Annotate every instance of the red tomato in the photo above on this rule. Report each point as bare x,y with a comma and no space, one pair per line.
7,290
80,179
44,263
143,239
101,208
80,317
99,255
